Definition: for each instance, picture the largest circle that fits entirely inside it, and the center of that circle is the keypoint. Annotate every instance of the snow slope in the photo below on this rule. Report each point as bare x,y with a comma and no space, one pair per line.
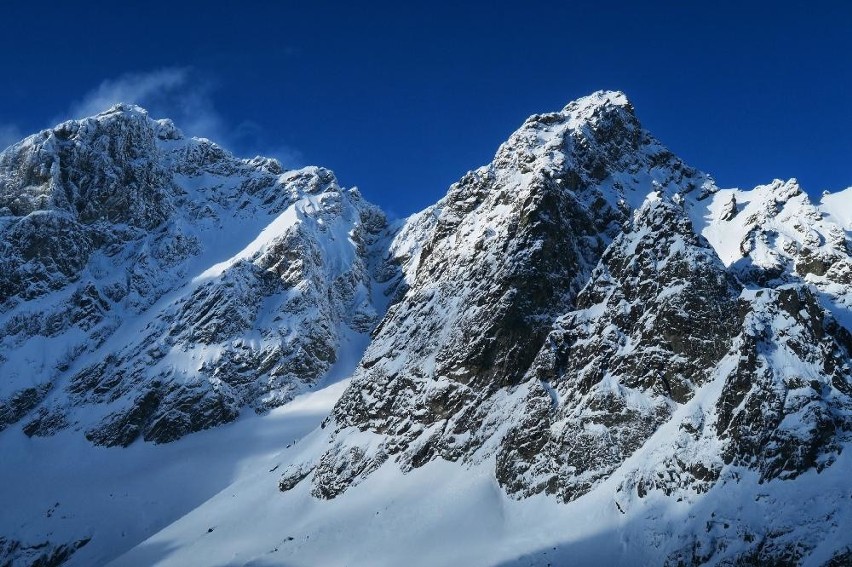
837,207
442,514
63,489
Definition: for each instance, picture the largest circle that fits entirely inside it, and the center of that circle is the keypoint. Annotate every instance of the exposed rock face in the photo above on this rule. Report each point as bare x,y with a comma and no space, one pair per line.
657,315
787,406
777,411
41,554
130,258
104,168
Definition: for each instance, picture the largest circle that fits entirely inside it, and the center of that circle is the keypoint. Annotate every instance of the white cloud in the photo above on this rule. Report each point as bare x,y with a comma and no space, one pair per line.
185,96
176,93
137,88
9,134
182,95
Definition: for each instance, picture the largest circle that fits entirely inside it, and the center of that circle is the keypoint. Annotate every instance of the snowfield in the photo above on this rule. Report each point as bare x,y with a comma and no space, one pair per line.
67,489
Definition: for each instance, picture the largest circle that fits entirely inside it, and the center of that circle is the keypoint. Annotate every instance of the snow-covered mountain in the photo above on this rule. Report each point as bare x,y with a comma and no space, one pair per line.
154,285
585,340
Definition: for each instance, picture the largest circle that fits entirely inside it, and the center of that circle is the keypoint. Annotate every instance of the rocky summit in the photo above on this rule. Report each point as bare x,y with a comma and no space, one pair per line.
585,323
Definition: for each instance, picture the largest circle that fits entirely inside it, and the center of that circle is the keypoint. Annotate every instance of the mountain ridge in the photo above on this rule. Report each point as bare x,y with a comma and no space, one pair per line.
585,319
194,309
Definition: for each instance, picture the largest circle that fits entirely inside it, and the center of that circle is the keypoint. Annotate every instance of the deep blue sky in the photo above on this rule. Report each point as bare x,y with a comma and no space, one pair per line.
401,98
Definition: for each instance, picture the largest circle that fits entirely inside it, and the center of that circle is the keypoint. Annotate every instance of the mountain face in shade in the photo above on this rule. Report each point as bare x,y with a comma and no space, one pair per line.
658,313
586,322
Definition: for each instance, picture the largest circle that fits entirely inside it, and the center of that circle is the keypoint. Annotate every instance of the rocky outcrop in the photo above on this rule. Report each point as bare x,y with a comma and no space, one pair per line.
658,314
41,554
774,234
787,405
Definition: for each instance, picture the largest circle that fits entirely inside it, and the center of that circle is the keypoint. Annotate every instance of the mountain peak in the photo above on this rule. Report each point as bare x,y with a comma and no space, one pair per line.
603,117
127,113
599,99
599,104
124,108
